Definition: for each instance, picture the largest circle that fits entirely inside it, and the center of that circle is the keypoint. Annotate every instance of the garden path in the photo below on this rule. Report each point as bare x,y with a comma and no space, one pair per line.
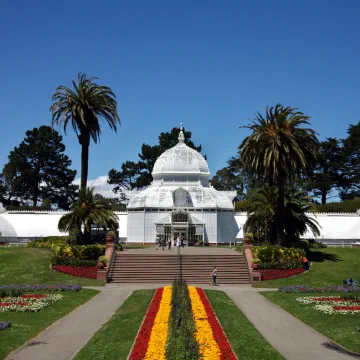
288,335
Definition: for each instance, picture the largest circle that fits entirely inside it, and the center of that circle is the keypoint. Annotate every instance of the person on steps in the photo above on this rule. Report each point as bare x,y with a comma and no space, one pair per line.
213,274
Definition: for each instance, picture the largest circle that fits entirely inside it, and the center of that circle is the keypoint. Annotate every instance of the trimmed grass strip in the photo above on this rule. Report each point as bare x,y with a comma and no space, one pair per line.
25,325
115,339
246,342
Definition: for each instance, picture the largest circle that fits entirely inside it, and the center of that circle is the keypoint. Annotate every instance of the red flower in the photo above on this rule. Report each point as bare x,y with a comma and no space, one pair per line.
80,271
142,340
270,274
350,308
218,333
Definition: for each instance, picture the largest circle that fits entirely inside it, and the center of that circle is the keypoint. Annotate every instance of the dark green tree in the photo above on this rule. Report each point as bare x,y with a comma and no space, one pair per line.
136,175
38,169
83,108
328,173
351,182
113,203
279,150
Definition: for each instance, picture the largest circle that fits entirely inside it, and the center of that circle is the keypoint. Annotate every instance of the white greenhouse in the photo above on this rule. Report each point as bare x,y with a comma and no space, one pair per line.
181,202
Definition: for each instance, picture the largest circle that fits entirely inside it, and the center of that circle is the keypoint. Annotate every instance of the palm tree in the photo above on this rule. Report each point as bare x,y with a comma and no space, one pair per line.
84,107
87,212
279,150
263,220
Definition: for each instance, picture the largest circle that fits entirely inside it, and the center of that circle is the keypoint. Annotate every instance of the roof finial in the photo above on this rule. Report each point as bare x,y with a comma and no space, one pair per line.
181,137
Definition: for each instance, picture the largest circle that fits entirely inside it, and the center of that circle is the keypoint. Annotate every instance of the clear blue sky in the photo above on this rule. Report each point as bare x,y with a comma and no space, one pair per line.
208,64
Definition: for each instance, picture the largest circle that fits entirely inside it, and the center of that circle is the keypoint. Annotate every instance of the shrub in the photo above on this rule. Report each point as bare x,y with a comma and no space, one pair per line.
104,260
351,295
272,254
59,260
82,252
48,241
289,265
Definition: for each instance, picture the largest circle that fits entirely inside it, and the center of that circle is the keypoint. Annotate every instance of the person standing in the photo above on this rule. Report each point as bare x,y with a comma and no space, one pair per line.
214,274
182,241
305,262
178,241
169,243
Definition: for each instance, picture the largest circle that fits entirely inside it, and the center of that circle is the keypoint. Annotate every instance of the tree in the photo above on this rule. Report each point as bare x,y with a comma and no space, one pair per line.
234,177
329,170
262,221
86,212
113,203
136,175
83,108
351,182
280,150
39,169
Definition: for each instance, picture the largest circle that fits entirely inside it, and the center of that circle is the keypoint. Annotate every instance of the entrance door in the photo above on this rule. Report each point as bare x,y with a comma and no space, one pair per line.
180,233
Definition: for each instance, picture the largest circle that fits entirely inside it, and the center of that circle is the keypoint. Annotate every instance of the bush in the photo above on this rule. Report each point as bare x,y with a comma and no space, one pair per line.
104,260
59,260
289,265
345,206
277,254
47,242
81,252
351,295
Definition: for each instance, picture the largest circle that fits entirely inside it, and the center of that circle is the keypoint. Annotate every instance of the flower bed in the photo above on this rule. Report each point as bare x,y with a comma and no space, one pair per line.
332,305
271,274
150,343
20,289
4,325
320,289
28,303
89,272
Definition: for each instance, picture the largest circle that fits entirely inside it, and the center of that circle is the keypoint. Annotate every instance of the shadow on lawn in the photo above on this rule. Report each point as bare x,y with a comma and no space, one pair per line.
318,256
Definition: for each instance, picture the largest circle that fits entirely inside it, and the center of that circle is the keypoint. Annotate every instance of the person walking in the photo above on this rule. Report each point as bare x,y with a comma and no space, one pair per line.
213,274
169,243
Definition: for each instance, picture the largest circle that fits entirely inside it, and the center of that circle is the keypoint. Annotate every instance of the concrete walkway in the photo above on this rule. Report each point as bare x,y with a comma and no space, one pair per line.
64,339
288,335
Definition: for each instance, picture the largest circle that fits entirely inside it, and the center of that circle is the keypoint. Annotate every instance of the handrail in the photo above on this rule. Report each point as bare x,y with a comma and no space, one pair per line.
113,255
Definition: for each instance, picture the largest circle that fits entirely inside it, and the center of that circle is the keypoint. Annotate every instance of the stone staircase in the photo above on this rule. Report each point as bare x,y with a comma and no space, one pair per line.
196,269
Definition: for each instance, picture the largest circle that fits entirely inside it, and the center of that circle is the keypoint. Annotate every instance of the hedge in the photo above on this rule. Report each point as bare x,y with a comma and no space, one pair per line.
288,265
60,260
80,252
48,241
277,254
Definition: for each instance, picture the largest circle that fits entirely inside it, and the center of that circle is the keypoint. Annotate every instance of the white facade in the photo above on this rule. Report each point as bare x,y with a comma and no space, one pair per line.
181,202
29,224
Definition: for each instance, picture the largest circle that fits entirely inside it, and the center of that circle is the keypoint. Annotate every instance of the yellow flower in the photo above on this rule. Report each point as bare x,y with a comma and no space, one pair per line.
159,332
209,349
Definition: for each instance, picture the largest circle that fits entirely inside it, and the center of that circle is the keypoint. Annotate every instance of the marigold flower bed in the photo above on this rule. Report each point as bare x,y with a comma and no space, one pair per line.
28,302
150,343
89,272
332,305
272,274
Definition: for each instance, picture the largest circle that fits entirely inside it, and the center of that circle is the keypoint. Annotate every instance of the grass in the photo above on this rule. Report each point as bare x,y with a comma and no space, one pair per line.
245,340
330,266
116,338
26,326
340,328
32,266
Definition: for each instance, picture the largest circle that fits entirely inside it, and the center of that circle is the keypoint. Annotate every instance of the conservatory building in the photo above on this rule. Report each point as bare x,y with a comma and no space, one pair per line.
181,202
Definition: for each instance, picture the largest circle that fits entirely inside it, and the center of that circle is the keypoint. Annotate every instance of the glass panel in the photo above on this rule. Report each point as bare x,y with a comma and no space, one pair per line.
182,198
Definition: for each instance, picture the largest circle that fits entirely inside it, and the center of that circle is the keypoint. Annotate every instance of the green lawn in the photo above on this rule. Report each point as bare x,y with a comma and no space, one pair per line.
340,328
329,267
245,340
32,266
26,326
116,338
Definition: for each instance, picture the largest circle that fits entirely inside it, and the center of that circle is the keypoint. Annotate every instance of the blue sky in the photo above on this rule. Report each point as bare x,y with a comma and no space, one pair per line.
208,64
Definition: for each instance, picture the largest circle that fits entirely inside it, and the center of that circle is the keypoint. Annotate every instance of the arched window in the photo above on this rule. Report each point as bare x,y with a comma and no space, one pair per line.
180,217
182,198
